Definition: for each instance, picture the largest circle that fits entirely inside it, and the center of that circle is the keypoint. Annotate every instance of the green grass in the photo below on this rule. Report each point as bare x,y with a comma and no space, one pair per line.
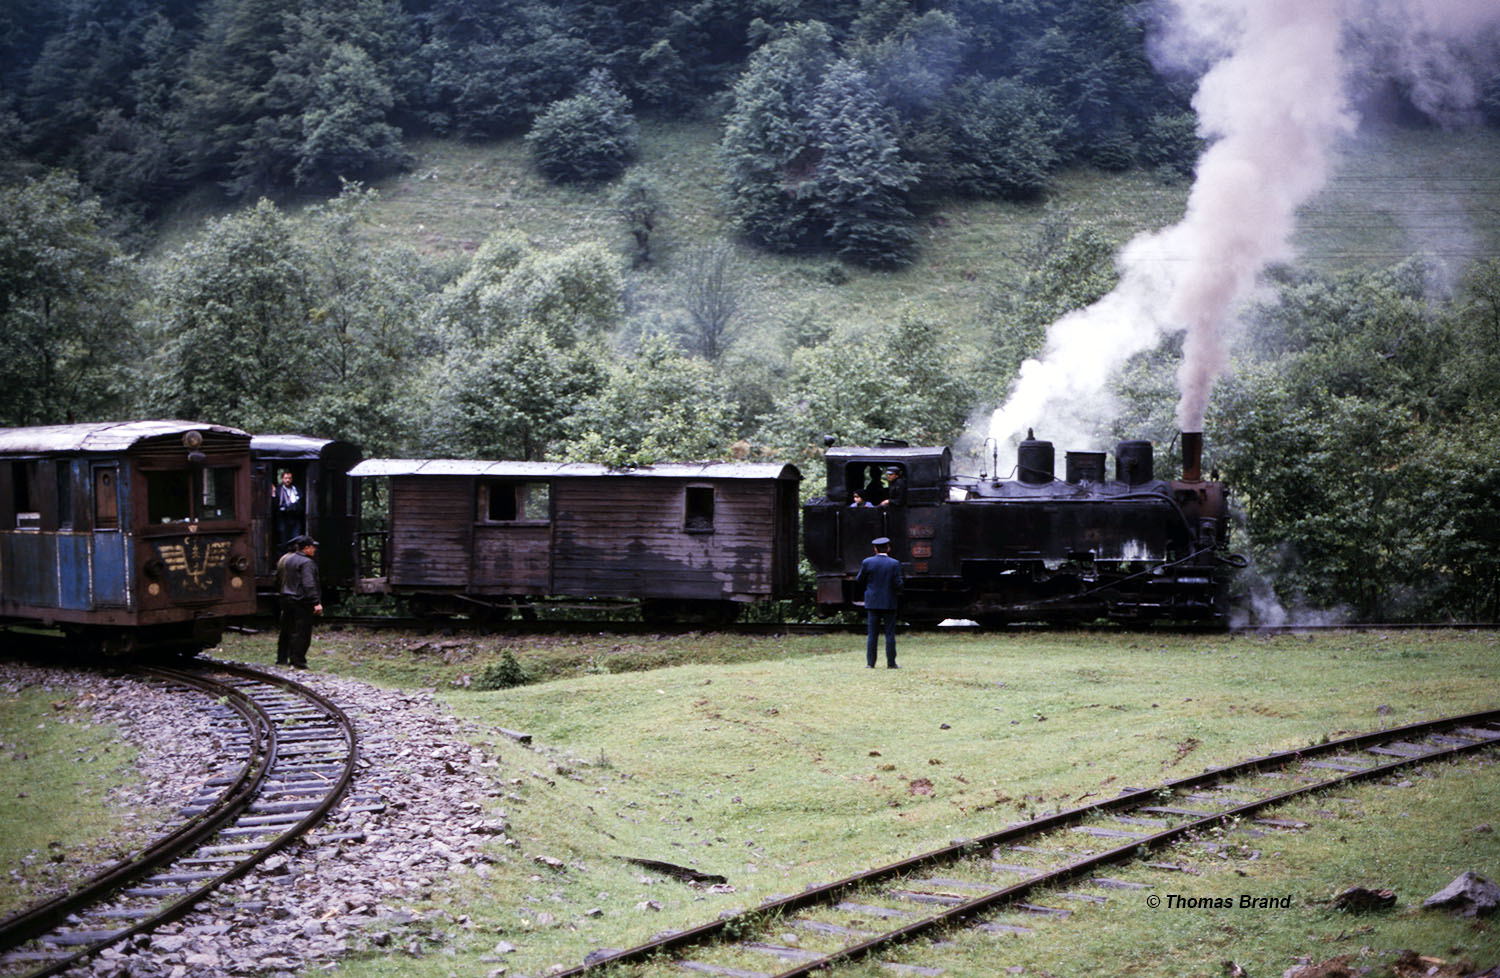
1391,193
56,771
782,763
779,763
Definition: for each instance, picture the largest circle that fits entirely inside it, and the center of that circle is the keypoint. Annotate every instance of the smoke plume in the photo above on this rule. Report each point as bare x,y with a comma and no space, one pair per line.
1272,103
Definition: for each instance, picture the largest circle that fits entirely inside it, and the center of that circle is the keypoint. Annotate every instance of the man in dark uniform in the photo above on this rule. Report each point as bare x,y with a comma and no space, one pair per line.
895,488
301,599
881,576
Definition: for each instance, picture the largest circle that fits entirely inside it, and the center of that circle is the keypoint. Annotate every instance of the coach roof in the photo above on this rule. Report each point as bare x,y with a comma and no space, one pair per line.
104,437
570,470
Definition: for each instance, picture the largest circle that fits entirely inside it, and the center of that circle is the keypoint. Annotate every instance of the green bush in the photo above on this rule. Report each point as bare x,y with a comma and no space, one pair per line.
586,138
505,674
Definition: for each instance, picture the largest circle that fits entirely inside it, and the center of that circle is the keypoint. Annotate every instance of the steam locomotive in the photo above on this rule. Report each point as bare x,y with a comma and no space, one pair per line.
1135,549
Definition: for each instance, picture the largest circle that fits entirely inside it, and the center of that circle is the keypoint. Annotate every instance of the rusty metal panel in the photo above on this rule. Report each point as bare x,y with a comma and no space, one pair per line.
28,569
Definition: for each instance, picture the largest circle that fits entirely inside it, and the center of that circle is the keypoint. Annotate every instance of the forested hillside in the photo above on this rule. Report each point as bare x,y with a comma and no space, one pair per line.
624,231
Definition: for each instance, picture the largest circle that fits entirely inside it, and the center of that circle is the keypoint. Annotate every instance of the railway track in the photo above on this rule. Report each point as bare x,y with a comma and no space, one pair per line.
297,753
973,882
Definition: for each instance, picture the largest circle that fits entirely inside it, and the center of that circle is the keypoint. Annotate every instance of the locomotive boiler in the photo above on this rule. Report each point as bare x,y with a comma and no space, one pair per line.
1132,548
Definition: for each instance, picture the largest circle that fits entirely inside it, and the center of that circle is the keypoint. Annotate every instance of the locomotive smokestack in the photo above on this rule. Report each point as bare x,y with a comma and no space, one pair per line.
1192,456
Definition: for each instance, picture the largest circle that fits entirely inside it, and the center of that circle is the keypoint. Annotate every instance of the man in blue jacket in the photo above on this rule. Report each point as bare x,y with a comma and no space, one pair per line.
881,576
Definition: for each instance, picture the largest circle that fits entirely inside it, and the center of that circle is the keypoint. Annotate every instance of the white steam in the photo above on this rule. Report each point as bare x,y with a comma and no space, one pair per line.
1272,104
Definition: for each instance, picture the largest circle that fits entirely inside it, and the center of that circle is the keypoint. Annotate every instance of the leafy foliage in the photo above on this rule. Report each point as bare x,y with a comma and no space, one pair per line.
1362,467
658,406
908,382
1000,139
65,294
768,153
586,138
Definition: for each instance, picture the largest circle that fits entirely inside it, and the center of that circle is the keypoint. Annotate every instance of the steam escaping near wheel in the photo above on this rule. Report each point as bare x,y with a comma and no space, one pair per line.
1272,102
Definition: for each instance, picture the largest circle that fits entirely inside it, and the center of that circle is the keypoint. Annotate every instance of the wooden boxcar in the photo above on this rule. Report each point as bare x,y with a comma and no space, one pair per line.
686,540
127,534
320,471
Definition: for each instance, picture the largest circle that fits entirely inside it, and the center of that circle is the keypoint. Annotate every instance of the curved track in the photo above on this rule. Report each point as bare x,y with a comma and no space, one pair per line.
298,753
863,915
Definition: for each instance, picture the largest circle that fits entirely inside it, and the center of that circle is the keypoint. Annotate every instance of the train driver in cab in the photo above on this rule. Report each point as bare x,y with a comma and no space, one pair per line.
895,488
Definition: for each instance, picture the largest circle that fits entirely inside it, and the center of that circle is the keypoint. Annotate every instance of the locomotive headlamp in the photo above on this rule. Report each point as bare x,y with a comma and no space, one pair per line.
192,439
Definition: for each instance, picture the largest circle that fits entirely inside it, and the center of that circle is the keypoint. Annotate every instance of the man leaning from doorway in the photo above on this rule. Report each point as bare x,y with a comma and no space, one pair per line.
301,599
880,574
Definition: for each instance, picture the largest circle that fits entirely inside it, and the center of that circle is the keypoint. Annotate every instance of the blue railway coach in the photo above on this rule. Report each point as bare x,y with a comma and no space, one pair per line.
127,535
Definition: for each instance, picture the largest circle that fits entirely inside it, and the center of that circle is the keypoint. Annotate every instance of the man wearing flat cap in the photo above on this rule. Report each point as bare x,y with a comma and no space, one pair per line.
880,574
301,599
895,488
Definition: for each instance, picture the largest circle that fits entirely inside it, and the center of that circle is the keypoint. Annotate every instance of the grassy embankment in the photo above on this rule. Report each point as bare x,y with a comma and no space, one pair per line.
57,769
779,763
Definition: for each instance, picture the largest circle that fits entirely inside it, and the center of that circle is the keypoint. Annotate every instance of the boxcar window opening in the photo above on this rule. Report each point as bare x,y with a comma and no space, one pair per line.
514,502
64,496
106,503
23,483
698,506
499,502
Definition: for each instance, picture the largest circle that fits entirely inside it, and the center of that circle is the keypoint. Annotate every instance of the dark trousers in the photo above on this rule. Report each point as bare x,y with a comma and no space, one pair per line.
288,525
874,621
296,631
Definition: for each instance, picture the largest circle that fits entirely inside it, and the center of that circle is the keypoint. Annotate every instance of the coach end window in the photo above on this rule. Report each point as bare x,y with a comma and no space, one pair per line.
106,502
23,481
515,502
698,508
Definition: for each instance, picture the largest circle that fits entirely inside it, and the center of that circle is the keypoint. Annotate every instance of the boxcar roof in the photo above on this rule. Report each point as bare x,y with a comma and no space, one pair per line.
566,470
299,447
875,451
101,436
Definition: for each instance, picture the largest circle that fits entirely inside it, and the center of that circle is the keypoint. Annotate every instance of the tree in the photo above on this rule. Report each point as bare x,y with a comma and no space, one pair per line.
66,340
365,304
493,65
711,293
1001,139
587,138
656,406
232,325
511,398
574,294
638,203
908,382
860,180
768,152
280,95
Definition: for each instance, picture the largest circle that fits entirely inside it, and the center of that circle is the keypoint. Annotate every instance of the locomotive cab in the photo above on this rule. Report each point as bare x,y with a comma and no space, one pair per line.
894,491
